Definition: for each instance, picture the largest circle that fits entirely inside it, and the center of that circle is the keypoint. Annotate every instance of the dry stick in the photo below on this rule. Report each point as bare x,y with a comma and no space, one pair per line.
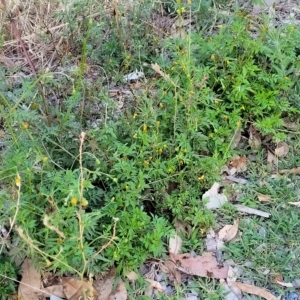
292,171
17,33
81,188
20,282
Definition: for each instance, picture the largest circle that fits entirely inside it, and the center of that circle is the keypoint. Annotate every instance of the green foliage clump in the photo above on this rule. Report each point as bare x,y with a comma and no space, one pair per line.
83,202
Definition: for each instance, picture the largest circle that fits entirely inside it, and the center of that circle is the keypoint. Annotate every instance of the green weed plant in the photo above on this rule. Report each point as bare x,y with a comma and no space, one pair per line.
85,198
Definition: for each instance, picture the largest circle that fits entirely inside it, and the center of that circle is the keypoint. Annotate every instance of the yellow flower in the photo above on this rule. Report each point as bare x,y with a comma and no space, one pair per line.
146,163
59,241
160,150
126,187
212,57
225,118
227,62
25,126
243,107
201,178
145,128
182,51
18,181
134,115
239,123
184,151
34,105
264,28
192,93
128,57
211,135
45,159
161,105
180,10
217,101
135,136
220,26
176,149
48,263
170,170
84,202
73,201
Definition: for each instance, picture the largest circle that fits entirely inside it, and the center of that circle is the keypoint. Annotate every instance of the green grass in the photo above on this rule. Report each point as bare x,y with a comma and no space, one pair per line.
110,195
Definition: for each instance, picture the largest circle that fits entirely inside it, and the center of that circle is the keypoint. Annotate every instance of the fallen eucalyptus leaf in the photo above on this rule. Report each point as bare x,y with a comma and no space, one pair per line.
254,290
282,149
229,232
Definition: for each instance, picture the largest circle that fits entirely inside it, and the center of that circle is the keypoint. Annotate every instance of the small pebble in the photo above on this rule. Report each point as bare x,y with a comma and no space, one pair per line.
292,296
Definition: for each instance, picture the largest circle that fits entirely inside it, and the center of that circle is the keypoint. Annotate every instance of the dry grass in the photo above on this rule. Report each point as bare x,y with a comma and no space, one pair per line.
42,28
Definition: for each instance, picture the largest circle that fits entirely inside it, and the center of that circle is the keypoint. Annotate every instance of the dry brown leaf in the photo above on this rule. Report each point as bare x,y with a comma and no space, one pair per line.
156,285
76,289
30,283
169,268
182,227
119,293
229,232
132,276
204,266
271,158
254,138
240,163
251,289
104,287
295,203
175,244
158,70
285,284
236,139
234,293
282,149
263,198
55,290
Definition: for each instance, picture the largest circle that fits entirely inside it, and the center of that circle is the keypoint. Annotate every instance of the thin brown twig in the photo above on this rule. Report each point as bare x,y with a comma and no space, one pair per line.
18,36
110,240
